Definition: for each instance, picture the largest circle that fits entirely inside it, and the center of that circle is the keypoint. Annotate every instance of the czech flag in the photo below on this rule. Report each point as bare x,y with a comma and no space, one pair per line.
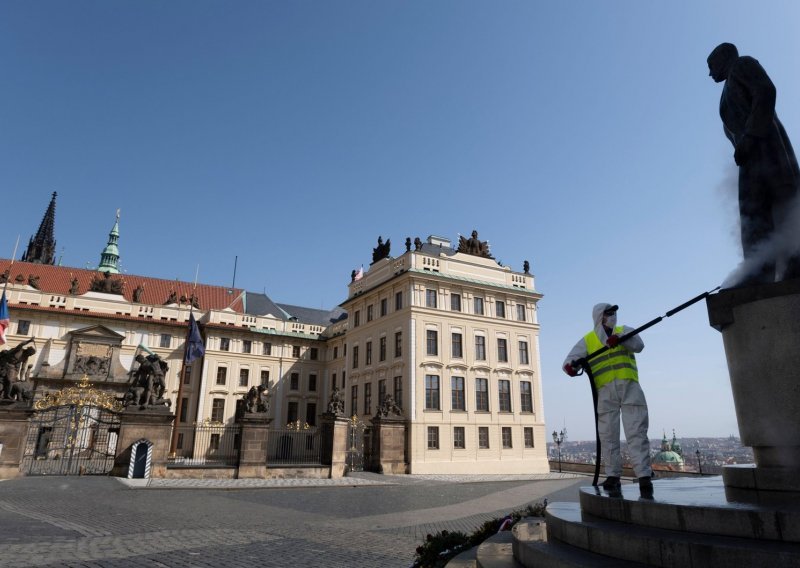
4,319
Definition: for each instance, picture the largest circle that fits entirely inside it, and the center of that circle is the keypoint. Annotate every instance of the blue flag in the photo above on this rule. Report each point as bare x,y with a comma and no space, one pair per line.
4,319
194,348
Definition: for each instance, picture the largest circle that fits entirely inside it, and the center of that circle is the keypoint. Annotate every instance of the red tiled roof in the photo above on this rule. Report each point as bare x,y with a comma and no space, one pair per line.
58,280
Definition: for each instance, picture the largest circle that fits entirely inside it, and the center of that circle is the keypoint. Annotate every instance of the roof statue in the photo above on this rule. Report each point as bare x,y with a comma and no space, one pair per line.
106,284
382,250
42,246
474,246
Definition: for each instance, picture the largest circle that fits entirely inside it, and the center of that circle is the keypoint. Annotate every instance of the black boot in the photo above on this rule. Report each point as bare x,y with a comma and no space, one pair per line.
646,487
612,483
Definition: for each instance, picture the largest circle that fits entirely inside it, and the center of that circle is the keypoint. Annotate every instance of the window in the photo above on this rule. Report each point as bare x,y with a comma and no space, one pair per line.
382,349
179,444
457,393
482,394
368,355
296,351
222,375
357,318
217,409
294,381
500,309
432,392
504,391
184,409
430,298
478,302
354,400
384,307
355,356
523,352
506,433
455,302
333,381
313,353
267,348
244,377
433,342
528,432
213,444
521,312
336,352
398,391
166,340
344,375
398,344
265,377
224,344
367,398
457,349
311,413
381,391
291,413
526,397
24,328
433,437
502,350
312,383
187,375
369,312
398,301
247,346
458,438
483,437
480,348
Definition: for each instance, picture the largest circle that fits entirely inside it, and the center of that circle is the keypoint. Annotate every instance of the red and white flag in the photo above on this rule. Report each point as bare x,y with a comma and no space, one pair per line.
360,273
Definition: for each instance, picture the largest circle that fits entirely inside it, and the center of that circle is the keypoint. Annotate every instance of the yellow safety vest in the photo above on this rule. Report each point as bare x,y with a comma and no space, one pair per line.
616,363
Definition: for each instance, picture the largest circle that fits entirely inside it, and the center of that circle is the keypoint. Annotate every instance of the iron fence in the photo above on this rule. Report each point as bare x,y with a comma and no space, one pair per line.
294,447
207,445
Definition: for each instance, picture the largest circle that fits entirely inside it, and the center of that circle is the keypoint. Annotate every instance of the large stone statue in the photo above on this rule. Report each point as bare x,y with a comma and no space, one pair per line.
106,284
336,402
474,246
388,407
256,399
768,170
148,383
382,250
12,366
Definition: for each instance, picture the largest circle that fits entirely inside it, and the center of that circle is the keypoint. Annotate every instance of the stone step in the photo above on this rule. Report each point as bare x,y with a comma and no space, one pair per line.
533,550
693,505
497,552
467,559
665,548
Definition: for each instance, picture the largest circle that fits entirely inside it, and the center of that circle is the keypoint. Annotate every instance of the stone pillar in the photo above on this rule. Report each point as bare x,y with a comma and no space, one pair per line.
334,443
253,449
14,424
389,445
761,335
153,424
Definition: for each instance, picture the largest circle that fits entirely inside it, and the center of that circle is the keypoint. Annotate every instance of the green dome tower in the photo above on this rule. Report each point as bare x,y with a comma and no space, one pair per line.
109,258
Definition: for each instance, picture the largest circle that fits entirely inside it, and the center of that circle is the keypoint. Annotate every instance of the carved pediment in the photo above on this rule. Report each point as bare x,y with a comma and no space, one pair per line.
97,332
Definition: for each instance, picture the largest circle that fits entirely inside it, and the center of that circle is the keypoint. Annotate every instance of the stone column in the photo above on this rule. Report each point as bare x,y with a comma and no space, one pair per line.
14,425
334,449
760,328
253,449
389,445
153,424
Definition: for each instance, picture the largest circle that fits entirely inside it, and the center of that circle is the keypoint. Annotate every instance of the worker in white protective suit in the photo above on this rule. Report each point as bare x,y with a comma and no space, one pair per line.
618,393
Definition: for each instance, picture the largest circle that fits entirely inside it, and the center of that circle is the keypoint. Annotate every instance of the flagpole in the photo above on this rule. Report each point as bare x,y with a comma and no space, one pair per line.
173,446
13,256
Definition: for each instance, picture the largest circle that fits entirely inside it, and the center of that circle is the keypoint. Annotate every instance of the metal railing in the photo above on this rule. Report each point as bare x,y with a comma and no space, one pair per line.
208,445
295,445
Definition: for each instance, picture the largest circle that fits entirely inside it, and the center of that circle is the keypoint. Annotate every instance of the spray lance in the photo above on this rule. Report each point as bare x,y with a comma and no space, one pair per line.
582,364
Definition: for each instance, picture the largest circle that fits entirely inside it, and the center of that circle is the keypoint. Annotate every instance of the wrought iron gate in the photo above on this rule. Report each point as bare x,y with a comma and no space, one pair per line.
74,432
355,445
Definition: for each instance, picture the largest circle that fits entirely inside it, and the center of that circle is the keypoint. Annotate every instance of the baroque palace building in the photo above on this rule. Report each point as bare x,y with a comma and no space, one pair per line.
446,330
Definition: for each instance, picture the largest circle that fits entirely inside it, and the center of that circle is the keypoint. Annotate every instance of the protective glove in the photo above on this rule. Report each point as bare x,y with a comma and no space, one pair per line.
613,341
570,370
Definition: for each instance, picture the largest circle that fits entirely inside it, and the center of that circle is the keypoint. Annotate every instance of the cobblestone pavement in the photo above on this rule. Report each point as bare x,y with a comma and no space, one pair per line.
366,520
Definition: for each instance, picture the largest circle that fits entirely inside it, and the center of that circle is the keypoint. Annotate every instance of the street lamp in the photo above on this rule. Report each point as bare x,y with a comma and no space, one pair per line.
558,439
699,465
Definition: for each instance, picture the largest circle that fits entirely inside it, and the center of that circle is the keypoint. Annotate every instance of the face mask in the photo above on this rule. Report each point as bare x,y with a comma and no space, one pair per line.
611,321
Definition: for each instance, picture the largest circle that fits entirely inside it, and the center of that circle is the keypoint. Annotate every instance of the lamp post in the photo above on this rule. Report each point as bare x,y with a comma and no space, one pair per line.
558,439
699,465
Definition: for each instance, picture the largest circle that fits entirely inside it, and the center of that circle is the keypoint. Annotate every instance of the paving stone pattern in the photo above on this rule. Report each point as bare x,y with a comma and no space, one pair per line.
363,521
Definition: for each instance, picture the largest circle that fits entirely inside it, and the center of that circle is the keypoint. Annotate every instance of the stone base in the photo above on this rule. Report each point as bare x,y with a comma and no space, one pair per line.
389,445
154,425
14,425
253,452
749,483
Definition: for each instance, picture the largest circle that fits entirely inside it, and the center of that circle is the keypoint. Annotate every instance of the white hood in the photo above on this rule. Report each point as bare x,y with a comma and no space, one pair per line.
597,318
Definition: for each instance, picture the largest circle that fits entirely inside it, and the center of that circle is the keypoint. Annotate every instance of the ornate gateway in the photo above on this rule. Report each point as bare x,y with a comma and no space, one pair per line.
354,459
73,432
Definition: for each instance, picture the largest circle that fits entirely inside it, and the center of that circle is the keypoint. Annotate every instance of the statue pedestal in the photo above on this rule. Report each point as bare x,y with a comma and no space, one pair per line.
334,443
253,450
154,425
389,445
760,328
14,424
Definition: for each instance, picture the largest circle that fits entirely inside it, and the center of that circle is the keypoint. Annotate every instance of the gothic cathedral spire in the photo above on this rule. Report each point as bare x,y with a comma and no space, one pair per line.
42,246
109,258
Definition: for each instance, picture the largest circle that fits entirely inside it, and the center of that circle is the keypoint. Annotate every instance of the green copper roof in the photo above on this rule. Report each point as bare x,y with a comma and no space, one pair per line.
109,258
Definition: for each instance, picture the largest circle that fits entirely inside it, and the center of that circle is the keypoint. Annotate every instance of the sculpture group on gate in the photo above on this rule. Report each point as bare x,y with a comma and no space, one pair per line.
13,364
389,407
256,399
147,384
336,402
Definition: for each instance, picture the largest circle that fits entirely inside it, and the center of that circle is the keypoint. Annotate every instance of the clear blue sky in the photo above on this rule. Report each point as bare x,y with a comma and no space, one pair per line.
582,136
